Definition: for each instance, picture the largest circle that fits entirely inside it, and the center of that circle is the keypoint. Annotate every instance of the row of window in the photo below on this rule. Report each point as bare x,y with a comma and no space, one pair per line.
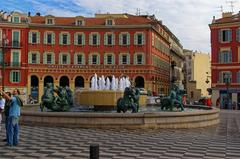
80,39
225,35
226,77
225,56
80,59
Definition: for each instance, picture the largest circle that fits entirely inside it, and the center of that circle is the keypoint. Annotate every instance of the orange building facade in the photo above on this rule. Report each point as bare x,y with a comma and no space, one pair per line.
68,51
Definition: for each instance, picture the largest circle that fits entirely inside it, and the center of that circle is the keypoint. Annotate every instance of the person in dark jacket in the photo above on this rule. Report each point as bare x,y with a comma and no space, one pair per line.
6,113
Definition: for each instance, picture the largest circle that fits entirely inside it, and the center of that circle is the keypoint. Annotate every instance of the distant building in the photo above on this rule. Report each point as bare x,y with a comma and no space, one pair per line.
177,60
197,73
67,51
225,44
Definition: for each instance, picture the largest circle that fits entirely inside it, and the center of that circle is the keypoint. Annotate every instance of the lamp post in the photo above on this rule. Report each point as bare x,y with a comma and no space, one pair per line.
227,82
4,44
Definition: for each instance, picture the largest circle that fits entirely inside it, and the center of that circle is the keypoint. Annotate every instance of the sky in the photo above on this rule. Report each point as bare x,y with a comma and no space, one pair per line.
187,19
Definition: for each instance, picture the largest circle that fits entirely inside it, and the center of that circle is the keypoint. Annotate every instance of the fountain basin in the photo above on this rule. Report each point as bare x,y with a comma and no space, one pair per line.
145,120
100,98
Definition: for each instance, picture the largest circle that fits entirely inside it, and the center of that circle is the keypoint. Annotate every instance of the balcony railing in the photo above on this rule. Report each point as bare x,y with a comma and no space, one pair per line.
12,44
10,64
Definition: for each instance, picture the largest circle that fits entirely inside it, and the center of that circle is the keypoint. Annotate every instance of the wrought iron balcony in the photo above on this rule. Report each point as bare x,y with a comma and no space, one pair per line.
12,44
10,64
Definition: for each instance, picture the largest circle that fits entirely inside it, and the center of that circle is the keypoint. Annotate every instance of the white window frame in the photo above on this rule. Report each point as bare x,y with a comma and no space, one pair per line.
11,74
19,58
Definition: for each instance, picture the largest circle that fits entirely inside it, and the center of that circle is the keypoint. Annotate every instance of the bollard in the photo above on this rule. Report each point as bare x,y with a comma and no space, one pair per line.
94,151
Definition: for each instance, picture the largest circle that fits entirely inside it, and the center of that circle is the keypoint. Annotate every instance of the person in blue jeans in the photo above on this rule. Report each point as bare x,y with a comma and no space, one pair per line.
6,113
13,118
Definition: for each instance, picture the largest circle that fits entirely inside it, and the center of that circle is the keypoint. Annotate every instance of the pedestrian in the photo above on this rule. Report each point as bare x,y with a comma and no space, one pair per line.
13,118
234,105
6,113
2,103
218,103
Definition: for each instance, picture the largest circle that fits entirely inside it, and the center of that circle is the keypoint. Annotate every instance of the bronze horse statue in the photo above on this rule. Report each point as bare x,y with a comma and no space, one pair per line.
61,102
130,100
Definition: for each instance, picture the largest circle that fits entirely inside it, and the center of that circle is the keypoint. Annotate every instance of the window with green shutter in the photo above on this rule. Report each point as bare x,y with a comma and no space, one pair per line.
79,39
16,19
124,39
1,57
15,58
15,76
16,38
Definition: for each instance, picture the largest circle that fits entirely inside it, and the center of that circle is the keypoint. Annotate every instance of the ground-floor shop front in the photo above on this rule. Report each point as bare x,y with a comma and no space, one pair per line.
228,99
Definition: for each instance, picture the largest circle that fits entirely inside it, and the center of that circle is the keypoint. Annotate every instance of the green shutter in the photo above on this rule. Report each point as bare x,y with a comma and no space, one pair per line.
38,58
38,37
135,59
220,77
1,57
60,58
90,59
15,36
75,39
120,39
230,35
143,38
19,77
98,39
83,39
128,39
105,39
113,59
15,57
29,37
68,58
128,59
98,59
90,39
45,38
113,39
83,59
143,58
11,76
120,59
60,39
53,38
135,39
45,58
237,35
53,58
219,35
75,58
68,38
105,59
29,57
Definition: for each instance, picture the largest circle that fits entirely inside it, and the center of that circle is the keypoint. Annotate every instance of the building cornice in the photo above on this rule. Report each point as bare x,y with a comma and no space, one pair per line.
221,25
90,27
14,25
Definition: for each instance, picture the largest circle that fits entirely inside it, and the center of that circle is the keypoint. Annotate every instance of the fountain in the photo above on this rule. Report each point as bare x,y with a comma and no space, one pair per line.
103,93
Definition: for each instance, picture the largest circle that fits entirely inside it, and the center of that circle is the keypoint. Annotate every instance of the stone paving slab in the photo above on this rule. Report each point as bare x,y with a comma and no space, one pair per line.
216,142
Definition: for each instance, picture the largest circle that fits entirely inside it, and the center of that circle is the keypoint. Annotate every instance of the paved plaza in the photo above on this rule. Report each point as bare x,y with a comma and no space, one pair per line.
222,141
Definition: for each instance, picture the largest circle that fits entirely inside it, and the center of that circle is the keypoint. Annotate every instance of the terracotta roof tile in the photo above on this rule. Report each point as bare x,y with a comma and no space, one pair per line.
233,18
70,21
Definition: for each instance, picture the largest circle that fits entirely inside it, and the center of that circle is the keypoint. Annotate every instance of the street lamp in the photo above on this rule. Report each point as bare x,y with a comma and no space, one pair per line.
5,42
227,82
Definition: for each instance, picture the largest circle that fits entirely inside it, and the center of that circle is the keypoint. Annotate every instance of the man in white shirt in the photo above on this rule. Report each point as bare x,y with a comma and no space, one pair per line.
2,104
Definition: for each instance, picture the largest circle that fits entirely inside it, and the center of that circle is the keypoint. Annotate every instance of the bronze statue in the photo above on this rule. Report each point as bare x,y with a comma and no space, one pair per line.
173,100
61,102
130,100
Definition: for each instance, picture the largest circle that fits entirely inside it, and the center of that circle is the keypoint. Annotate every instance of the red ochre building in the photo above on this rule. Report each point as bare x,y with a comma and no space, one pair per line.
70,50
225,43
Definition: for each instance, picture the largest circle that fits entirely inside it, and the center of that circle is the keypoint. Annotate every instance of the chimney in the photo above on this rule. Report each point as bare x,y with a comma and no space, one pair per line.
226,14
213,20
38,14
29,14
